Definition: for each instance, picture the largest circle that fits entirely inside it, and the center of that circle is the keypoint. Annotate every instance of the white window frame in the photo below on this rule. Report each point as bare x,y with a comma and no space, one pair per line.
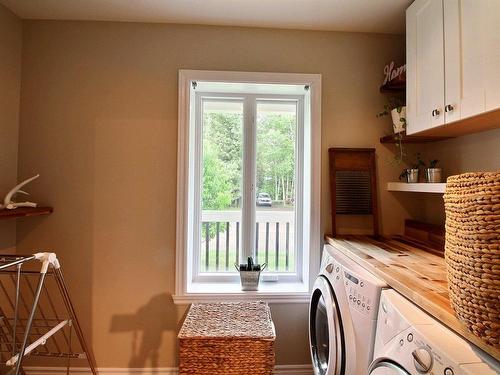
250,102
290,288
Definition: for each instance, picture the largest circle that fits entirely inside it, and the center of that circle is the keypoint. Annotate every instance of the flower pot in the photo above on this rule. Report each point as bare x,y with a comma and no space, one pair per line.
250,279
433,175
411,175
397,115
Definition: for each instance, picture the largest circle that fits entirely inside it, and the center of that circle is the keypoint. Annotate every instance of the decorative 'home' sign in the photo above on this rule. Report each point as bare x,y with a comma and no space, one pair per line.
392,73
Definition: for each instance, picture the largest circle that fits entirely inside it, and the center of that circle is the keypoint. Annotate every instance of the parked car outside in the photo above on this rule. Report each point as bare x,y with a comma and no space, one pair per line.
264,199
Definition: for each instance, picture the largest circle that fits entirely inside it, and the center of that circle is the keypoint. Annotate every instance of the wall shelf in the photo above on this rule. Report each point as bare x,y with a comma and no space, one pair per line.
25,212
421,187
393,88
411,139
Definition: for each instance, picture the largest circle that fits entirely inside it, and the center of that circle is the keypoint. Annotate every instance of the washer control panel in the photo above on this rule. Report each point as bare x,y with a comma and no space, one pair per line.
422,357
358,293
420,344
332,269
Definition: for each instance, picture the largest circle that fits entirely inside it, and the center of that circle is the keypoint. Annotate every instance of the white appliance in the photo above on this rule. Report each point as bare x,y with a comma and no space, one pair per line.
411,342
343,316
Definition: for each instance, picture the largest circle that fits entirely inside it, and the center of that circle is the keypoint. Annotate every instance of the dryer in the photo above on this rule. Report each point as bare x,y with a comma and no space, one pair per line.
343,315
411,342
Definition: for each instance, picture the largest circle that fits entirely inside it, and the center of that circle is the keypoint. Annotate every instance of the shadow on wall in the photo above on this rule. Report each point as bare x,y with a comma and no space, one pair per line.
148,325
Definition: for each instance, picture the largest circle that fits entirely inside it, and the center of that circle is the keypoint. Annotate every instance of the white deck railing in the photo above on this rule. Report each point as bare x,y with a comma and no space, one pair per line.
274,239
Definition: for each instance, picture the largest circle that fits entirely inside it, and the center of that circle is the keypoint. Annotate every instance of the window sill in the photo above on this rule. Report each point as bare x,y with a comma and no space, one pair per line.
269,292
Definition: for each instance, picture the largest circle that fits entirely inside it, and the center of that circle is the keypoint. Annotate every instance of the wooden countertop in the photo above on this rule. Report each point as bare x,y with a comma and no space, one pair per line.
413,270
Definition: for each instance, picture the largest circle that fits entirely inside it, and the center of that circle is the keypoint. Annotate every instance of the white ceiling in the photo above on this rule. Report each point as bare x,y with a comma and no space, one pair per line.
380,16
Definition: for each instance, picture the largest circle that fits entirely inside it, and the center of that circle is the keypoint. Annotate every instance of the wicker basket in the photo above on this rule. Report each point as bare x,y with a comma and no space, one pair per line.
472,203
230,338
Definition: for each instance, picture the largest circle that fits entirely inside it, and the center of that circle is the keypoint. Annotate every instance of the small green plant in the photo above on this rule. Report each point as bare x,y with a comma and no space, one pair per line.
403,174
398,104
393,102
416,164
399,144
433,163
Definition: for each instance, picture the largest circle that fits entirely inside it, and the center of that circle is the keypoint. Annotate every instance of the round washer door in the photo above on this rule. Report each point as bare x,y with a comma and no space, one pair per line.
326,335
385,366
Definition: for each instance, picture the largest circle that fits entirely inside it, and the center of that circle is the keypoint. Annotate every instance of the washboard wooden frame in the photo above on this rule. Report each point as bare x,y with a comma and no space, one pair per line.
346,162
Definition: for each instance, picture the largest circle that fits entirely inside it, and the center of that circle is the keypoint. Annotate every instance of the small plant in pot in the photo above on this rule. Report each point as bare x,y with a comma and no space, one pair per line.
397,109
410,175
433,174
250,274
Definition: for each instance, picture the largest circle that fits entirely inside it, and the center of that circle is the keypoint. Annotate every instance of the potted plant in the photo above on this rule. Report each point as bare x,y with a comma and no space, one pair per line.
411,174
397,109
250,274
433,174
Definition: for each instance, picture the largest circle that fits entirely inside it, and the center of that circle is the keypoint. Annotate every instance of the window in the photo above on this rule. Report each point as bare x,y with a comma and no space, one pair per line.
248,181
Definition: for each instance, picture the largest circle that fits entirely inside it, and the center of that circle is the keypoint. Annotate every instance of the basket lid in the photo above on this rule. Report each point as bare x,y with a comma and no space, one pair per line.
228,319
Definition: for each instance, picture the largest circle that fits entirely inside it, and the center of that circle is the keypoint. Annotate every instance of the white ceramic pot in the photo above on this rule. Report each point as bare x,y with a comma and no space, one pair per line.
397,124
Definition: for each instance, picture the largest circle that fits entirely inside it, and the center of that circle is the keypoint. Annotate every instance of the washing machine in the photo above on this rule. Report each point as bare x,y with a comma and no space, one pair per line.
343,316
410,342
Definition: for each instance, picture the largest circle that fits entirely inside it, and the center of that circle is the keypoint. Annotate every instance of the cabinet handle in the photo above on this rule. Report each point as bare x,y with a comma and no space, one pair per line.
435,113
448,108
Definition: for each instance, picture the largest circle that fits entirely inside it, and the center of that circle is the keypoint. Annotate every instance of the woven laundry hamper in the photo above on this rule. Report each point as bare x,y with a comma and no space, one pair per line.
472,204
230,338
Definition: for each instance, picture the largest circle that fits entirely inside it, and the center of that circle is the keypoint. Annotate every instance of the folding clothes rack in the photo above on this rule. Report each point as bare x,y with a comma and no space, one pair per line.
37,318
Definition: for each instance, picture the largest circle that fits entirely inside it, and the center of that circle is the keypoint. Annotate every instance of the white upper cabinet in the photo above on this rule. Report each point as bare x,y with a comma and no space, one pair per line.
425,65
452,56
453,60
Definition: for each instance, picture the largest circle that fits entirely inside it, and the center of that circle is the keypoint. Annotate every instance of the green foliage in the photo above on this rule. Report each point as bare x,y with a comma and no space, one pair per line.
418,162
222,160
433,163
393,102
414,164
223,132
221,164
276,156
216,192
399,145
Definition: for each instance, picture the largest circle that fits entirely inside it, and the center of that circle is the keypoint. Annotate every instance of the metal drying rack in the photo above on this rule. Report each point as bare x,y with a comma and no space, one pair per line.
37,317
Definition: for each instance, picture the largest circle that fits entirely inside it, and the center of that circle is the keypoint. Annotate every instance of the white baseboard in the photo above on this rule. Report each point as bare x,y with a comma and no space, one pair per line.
293,370
279,370
101,371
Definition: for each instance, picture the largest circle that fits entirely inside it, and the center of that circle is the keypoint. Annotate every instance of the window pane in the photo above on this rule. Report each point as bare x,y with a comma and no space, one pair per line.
222,137
275,212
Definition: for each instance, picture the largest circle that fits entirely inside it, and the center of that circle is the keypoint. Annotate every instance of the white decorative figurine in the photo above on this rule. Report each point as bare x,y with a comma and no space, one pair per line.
9,204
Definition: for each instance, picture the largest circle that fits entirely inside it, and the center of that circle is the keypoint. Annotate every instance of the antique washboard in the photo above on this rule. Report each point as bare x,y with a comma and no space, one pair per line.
353,184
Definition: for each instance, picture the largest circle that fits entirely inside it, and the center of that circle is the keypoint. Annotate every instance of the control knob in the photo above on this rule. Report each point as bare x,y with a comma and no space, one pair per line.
422,359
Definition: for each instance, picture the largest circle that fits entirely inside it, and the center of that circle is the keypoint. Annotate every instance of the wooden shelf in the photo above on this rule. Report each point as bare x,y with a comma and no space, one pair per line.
420,187
393,88
25,212
411,139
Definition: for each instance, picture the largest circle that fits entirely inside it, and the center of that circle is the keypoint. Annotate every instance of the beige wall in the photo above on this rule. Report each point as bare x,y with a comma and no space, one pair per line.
99,123
473,153
10,87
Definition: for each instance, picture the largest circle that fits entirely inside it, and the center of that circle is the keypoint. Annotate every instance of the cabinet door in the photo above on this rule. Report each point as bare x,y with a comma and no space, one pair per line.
472,55
491,60
425,65
453,57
